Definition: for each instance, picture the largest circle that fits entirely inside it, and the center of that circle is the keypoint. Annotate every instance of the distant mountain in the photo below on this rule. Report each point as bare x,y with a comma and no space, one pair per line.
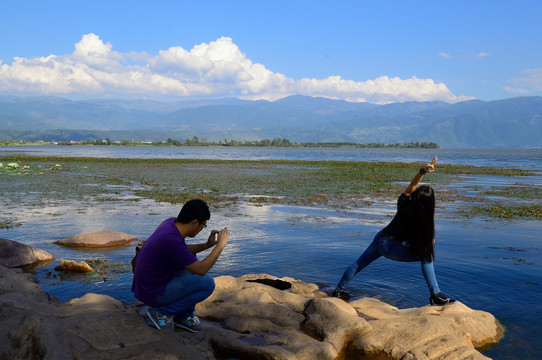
508,123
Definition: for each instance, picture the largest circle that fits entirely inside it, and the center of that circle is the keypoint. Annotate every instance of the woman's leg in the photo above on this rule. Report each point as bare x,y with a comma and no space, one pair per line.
183,292
369,255
428,272
394,250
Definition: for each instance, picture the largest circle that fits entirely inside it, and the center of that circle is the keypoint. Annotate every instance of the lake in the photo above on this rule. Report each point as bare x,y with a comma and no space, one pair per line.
523,159
488,264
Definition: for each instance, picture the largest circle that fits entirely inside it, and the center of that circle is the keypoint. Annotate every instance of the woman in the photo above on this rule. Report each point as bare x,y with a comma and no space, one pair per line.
409,237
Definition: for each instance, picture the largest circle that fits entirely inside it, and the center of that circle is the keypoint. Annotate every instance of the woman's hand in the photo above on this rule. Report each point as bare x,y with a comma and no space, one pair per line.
418,177
429,167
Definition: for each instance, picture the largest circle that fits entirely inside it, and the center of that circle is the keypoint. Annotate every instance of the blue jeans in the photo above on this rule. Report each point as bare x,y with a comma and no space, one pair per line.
183,292
394,250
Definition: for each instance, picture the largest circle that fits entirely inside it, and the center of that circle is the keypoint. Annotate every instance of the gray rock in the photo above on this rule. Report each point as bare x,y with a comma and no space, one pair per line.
14,254
100,238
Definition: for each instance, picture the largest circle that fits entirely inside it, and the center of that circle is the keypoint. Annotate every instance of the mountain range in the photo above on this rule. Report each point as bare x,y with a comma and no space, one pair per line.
508,123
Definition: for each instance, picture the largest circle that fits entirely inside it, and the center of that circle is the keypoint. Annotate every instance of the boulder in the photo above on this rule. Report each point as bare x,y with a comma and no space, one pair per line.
430,332
15,254
250,317
260,321
100,238
73,266
34,325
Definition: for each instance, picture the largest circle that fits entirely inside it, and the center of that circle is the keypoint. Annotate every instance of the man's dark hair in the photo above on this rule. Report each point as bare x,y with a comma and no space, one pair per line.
195,209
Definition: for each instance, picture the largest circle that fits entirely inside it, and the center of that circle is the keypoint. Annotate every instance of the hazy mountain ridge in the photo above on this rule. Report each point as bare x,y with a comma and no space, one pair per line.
508,123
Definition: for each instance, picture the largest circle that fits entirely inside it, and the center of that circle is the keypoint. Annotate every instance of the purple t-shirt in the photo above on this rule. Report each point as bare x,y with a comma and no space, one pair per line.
163,253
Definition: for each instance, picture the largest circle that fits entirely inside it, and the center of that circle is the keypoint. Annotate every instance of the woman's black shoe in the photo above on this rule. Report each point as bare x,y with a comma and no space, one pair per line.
440,299
341,294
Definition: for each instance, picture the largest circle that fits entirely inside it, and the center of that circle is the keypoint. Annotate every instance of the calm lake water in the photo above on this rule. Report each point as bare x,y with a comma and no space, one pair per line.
525,159
491,265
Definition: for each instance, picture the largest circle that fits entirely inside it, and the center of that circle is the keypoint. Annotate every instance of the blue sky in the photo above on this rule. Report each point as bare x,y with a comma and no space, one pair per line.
374,51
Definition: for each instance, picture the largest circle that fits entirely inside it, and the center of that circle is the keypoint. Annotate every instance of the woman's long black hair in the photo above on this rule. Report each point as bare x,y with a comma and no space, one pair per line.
421,222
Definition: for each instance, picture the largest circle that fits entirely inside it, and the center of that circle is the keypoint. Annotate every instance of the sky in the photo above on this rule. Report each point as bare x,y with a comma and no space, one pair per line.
374,51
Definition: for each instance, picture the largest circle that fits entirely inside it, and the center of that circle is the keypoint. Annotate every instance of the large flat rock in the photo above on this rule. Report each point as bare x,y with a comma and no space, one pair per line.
100,238
256,316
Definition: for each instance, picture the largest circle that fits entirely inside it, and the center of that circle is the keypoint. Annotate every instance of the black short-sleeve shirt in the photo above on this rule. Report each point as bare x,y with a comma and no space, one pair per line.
397,228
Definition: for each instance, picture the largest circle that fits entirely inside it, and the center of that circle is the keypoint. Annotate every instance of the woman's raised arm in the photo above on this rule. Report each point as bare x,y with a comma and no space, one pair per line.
418,177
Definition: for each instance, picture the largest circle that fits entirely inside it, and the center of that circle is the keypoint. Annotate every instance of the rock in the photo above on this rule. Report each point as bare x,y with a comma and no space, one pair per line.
430,332
250,317
36,326
73,266
14,254
100,238
259,321
15,284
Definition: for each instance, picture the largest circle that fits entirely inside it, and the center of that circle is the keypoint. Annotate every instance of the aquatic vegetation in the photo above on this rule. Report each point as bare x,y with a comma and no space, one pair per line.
8,224
227,183
508,212
520,191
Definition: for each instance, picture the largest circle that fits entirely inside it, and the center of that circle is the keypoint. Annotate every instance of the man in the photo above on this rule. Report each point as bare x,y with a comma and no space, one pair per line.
168,276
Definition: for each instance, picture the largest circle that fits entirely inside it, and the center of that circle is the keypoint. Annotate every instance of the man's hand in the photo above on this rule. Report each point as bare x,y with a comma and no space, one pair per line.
219,239
223,236
211,241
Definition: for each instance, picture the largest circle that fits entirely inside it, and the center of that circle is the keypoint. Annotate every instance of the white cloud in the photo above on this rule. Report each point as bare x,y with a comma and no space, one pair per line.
530,81
92,51
482,55
450,56
218,68
515,90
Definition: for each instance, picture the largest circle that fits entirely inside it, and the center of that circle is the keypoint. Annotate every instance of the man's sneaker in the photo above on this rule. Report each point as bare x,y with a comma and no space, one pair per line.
440,299
159,320
341,294
191,323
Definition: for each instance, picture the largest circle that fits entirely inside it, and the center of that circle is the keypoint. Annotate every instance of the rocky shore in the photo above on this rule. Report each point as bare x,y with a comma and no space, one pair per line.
256,316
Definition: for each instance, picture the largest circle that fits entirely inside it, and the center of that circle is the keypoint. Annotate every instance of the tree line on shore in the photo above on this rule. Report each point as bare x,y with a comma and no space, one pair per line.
194,141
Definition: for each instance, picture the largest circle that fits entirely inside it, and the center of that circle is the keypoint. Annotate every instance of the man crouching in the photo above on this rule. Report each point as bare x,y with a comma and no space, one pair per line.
168,276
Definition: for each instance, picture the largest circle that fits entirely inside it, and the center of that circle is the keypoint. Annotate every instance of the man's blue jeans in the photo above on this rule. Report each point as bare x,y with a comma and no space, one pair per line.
183,292
394,250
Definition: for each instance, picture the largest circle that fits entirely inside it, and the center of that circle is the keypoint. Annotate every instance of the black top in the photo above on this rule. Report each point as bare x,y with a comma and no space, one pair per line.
397,228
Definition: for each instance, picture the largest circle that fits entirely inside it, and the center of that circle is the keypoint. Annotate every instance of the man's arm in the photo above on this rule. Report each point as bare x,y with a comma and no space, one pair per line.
211,241
203,266
418,177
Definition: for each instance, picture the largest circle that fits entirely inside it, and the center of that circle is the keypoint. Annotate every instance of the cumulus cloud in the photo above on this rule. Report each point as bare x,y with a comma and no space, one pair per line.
218,68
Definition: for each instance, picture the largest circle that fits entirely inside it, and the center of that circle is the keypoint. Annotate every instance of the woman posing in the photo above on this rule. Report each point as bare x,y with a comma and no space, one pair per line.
409,237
